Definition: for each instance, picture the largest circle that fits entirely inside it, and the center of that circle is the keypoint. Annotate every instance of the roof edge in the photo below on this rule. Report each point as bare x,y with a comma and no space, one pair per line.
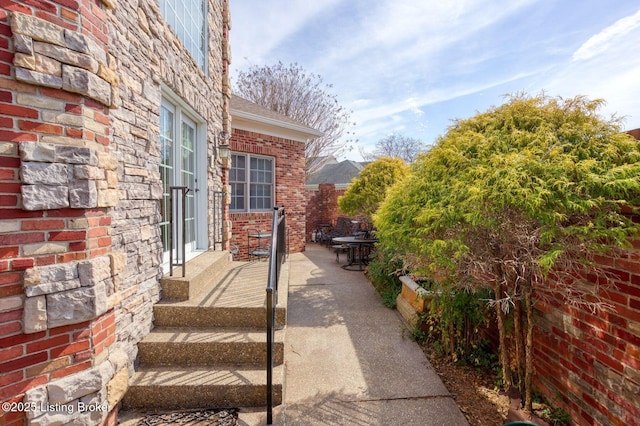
273,122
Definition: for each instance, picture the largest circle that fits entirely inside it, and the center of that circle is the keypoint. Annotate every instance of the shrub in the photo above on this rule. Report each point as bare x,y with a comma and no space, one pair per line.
383,273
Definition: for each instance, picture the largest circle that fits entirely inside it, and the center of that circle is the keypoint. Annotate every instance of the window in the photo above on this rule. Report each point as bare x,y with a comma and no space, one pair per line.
251,178
187,19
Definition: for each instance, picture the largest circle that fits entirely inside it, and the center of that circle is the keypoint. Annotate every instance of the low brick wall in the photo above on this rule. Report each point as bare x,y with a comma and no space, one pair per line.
592,360
322,206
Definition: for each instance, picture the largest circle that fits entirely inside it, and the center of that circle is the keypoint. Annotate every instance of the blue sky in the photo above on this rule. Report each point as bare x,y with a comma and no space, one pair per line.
412,66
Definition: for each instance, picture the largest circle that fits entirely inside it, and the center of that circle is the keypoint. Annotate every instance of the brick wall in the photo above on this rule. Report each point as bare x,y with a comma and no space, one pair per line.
589,363
289,164
80,249
592,360
58,271
322,206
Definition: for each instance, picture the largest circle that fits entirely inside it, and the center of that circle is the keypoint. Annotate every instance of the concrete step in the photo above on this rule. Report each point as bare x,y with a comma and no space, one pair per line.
184,315
200,271
201,387
198,346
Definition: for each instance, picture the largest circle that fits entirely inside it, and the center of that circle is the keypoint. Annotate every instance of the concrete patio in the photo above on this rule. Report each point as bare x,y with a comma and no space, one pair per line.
348,359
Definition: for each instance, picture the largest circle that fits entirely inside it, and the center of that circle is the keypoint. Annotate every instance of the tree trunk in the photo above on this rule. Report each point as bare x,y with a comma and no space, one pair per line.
519,341
452,340
504,354
528,380
468,330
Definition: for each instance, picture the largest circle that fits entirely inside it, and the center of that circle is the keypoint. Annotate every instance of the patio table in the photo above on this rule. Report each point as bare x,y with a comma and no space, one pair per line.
358,244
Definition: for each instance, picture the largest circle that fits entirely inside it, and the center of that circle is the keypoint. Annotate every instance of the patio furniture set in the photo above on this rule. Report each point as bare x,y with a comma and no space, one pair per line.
348,236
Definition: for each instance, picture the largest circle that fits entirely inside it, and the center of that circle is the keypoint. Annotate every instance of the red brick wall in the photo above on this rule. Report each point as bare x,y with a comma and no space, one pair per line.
43,237
322,206
290,175
593,359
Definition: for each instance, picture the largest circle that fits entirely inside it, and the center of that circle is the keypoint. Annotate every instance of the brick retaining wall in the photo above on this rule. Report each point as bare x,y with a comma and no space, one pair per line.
592,360
322,206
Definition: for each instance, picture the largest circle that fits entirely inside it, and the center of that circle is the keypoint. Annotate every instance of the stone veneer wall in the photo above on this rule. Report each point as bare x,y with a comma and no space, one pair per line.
289,163
79,192
322,206
148,54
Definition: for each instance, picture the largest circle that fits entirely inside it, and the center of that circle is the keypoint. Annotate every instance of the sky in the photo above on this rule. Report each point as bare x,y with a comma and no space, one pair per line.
410,67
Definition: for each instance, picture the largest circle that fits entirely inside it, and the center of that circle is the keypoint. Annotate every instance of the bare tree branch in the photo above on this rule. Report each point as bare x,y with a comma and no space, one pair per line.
301,96
396,146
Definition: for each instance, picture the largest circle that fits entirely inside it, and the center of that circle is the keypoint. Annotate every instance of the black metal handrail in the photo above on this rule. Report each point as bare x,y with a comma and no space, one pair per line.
173,211
276,259
218,218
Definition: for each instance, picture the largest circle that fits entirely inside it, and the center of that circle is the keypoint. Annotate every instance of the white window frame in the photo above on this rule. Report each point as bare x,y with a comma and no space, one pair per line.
183,112
179,14
247,182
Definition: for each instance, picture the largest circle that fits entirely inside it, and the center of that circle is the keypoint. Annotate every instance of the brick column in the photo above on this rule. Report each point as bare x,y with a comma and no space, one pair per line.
59,279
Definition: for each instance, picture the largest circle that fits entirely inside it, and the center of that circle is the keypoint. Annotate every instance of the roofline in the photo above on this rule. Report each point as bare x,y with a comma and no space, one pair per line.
273,122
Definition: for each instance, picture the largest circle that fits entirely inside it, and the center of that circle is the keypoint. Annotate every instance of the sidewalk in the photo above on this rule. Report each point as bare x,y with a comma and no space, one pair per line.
347,359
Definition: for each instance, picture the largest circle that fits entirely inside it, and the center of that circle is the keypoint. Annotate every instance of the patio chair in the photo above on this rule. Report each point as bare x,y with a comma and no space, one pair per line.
340,248
342,229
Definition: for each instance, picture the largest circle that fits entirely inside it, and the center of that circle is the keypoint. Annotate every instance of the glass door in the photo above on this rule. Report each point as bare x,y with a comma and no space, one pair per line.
178,151
188,179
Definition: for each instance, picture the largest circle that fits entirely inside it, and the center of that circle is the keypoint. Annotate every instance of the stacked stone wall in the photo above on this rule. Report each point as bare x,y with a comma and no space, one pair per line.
289,176
59,277
150,58
80,253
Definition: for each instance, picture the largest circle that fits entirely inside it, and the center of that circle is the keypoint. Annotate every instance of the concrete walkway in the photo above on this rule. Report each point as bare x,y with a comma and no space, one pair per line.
348,359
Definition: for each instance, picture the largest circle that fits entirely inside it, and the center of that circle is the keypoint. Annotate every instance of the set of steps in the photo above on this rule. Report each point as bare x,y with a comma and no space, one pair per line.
208,347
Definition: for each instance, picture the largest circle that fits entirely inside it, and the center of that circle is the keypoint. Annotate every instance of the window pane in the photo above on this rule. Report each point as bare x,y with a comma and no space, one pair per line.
187,19
257,192
237,178
237,197
261,187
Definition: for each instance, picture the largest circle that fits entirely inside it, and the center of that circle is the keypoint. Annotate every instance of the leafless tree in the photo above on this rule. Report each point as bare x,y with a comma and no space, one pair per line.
397,146
301,96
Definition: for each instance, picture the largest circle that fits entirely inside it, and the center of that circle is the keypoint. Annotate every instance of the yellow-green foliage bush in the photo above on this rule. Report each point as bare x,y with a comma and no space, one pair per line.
368,189
534,186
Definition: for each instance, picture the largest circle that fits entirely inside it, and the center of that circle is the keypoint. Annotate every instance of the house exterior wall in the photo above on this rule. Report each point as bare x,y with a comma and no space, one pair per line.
80,251
289,178
322,206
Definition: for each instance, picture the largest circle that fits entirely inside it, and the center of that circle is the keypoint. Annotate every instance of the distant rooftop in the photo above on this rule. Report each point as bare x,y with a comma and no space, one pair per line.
337,173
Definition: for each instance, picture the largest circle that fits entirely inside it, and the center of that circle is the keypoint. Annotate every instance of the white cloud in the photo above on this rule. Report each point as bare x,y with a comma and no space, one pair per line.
260,26
610,73
399,32
602,41
434,96
400,64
